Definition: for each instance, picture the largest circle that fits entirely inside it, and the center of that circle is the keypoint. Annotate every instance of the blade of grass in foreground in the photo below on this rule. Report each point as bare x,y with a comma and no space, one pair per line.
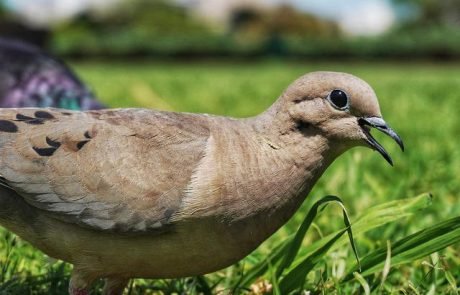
262,267
290,247
295,278
294,246
412,247
373,218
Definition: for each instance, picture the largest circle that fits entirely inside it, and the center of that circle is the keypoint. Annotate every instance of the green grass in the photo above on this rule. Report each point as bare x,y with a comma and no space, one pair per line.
420,101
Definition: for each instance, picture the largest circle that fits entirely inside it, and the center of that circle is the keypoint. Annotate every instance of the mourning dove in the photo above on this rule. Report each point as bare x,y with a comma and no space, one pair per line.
128,193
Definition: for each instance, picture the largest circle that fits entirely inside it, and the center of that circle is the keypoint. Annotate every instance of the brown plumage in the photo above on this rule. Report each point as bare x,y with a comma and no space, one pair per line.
130,193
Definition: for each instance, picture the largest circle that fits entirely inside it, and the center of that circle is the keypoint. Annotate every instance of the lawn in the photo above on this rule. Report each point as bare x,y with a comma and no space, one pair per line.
421,101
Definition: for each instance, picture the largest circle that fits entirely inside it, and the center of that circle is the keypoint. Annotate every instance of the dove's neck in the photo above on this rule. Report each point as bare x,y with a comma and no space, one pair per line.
277,165
299,139
301,153
254,175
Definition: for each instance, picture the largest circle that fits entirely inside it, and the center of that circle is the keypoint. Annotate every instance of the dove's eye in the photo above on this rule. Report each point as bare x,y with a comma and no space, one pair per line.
339,99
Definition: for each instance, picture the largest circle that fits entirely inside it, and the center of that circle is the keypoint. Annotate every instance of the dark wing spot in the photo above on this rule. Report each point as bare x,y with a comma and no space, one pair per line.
87,135
43,115
45,152
66,114
21,117
53,143
29,120
8,126
80,144
34,121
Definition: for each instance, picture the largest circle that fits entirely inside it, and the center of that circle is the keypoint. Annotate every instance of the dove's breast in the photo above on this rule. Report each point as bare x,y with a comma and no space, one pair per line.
186,249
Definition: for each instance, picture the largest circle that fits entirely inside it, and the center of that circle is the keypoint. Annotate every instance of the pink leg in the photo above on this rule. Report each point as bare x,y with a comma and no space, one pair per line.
79,283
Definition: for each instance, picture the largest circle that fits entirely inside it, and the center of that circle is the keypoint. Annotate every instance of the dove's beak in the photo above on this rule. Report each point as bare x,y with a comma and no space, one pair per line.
379,124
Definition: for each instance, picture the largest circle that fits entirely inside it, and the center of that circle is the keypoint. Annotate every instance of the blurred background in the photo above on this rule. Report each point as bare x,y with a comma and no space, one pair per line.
234,57
295,29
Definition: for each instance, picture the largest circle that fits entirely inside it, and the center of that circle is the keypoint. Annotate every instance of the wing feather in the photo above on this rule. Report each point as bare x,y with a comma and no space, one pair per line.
109,170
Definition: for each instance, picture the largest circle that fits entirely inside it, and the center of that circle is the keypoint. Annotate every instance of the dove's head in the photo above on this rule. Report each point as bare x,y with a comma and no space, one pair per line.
339,106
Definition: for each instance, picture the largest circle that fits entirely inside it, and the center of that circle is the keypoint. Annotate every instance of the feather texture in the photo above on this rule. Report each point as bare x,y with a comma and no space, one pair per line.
90,168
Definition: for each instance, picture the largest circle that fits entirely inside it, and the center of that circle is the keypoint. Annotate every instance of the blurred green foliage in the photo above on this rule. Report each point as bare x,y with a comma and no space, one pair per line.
283,20
161,28
132,28
2,11
433,13
158,29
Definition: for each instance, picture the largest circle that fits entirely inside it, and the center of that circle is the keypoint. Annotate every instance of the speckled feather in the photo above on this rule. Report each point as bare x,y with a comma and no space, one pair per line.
103,169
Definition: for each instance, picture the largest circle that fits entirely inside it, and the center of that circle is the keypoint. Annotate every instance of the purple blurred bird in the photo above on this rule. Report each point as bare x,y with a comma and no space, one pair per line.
30,77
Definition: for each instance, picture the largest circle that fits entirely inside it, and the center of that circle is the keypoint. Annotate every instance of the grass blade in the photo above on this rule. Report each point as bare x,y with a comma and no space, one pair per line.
274,281
375,217
413,247
387,265
294,246
362,281
262,267
450,278
296,276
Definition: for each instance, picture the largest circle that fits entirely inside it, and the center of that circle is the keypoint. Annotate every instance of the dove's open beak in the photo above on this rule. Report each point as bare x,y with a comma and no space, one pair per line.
381,125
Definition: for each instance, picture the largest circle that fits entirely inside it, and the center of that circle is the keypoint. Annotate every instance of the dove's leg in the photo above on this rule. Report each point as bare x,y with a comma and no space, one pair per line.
114,286
80,283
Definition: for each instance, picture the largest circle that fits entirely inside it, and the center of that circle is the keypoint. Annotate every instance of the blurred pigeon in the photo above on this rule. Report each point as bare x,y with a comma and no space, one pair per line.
30,77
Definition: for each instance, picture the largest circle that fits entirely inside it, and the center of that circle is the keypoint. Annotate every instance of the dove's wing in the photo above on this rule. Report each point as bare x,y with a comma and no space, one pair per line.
30,77
111,170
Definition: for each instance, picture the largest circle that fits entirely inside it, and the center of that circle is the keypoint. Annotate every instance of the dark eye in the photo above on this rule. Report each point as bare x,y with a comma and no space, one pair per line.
339,99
